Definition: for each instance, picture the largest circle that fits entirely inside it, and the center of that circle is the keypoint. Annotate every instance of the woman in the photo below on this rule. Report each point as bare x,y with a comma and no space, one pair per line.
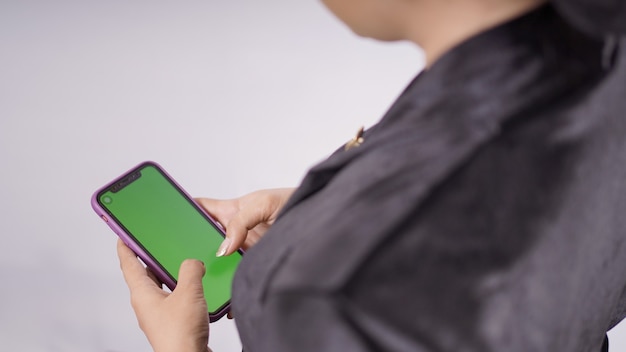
484,212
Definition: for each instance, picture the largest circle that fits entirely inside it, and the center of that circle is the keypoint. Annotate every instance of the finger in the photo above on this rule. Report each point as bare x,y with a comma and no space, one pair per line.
237,229
134,272
190,277
220,210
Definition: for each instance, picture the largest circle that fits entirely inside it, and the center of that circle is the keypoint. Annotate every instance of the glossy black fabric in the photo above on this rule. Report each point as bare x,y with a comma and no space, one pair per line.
485,212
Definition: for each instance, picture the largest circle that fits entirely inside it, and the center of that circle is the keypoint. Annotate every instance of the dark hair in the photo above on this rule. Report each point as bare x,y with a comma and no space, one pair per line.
600,18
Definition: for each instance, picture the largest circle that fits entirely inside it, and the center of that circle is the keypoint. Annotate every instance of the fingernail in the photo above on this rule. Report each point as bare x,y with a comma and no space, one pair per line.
223,248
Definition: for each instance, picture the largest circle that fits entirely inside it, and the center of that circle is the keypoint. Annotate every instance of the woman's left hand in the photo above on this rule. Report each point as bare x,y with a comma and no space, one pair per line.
176,321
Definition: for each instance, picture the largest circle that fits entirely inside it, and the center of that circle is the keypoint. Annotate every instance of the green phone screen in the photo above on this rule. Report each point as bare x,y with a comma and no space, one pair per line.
171,229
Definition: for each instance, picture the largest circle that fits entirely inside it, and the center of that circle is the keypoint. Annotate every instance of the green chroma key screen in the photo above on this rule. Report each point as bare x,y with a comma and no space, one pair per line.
167,225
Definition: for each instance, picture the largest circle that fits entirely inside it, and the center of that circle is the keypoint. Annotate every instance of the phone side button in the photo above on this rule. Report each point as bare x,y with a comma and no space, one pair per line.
104,218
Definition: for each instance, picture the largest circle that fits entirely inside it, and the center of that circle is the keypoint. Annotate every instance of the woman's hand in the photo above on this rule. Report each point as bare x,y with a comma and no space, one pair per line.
246,218
176,321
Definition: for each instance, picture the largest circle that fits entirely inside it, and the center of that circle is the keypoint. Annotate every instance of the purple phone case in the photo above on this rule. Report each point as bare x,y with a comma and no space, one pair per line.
135,247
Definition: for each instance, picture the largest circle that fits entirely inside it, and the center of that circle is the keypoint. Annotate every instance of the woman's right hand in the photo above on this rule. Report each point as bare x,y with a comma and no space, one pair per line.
246,218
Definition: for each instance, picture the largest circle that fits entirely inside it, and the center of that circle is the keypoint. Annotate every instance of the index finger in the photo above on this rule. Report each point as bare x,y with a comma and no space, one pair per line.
134,272
221,210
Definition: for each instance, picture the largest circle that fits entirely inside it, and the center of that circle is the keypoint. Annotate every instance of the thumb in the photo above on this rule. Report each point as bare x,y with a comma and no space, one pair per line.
190,277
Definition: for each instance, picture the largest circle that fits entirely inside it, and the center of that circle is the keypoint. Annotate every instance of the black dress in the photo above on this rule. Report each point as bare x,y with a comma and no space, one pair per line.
486,211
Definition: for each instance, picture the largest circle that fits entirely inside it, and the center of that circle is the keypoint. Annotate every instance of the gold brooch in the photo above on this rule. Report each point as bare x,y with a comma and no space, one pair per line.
356,141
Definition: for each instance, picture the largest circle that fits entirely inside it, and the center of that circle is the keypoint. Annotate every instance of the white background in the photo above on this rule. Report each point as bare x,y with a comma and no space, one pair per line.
229,96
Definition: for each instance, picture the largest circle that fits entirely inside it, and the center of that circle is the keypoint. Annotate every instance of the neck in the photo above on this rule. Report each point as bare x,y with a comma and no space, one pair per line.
448,23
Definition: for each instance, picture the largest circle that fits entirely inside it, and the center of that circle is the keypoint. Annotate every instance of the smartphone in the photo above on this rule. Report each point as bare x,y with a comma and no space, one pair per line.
163,225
